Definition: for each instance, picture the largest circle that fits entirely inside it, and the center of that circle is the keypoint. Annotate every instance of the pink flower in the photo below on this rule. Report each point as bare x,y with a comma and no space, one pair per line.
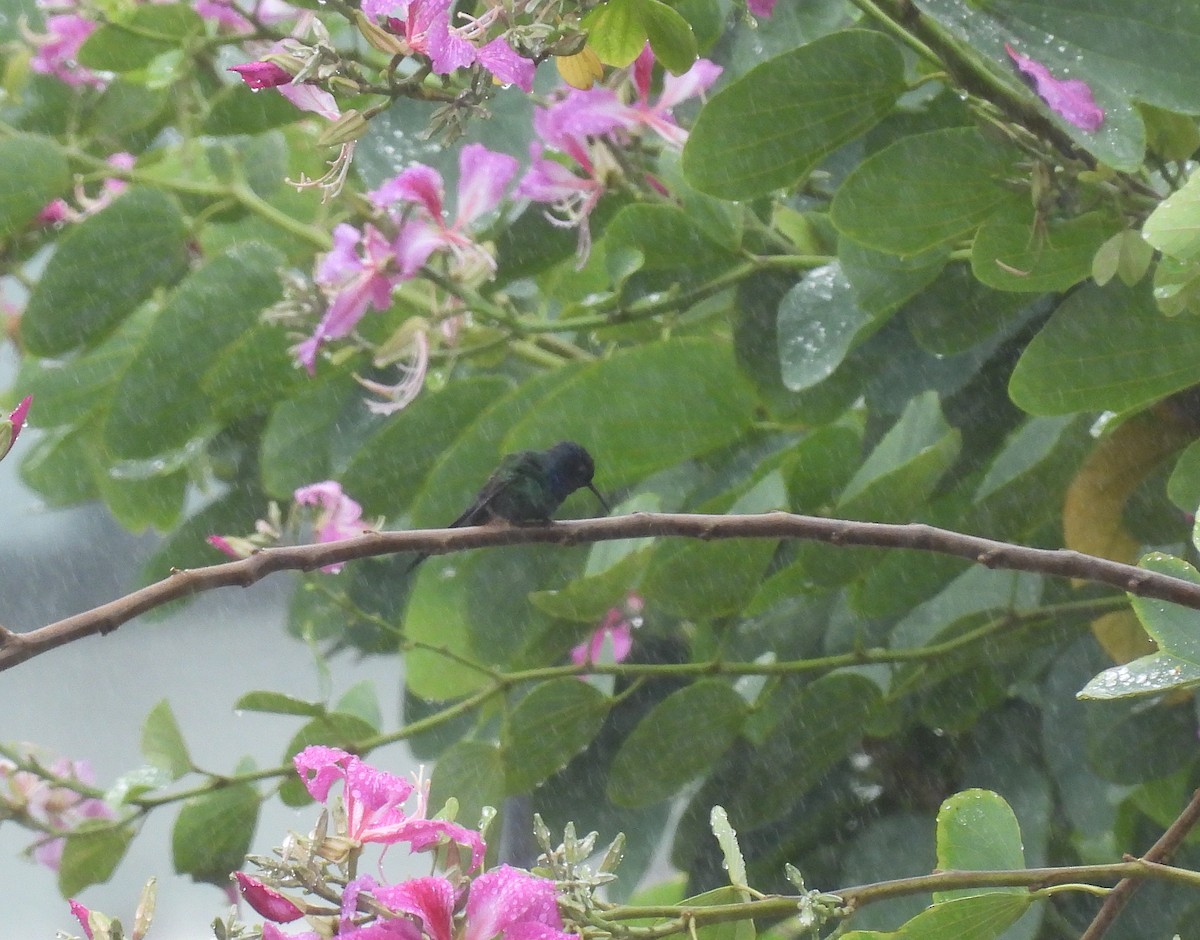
616,629
426,28
262,74
267,901
355,281
676,89
58,807
340,517
511,904
81,914
10,427
58,49
373,800
483,178
762,8
1070,99
271,932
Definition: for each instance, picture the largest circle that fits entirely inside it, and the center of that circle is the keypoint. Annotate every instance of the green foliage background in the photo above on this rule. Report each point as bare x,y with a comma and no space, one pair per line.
889,285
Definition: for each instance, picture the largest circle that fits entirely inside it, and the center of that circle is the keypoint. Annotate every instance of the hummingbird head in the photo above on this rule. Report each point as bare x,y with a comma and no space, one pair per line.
570,467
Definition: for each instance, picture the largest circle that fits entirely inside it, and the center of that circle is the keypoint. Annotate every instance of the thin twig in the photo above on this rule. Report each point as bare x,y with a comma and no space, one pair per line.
1160,852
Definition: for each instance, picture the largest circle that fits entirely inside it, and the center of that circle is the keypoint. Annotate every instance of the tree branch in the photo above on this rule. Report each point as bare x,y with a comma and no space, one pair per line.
18,647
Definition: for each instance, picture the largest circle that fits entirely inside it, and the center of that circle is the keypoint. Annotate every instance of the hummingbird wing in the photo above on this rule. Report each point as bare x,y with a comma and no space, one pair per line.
512,467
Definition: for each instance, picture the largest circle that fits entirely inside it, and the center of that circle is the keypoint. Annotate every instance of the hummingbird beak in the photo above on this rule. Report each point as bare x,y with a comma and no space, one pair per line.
607,509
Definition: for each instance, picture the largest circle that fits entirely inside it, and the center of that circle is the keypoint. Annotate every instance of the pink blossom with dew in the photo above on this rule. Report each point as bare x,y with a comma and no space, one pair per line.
511,904
600,111
373,801
426,28
266,900
354,280
271,932
10,427
571,197
1070,99
761,8
431,899
81,914
260,74
483,177
56,50
339,518
398,898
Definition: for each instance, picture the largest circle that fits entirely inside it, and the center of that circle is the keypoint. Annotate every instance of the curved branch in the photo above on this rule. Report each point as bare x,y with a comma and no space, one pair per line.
18,647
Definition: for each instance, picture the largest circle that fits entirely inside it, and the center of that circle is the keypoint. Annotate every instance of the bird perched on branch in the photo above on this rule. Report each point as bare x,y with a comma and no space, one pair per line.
528,487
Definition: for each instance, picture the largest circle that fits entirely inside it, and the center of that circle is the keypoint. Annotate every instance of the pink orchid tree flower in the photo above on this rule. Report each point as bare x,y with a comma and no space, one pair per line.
83,915
1070,99
10,427
260,74
359,272
761,8
373,800
425,26
419,193
56,51
266,900
614,633
339,516
55,805
656,115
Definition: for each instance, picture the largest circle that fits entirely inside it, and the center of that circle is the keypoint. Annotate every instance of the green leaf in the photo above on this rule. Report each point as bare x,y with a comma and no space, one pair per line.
1146,675
160,405
1012,251
298,440
1171,626
1183,487
388,467
1124,51
362,700
549,726
1106,348
1128,742
471,772
33,172
1174,226
438,615
102,270
668,240
58,468
882,282
905,465
774,124
616,31
977,831
140,497
979,917
815,726
1126,255
701,402
819,321
923,191
252,373
213,833
134,40
162,741
700,580
670,36
278,703
741,929
91,854
661,754
1177,663
238,109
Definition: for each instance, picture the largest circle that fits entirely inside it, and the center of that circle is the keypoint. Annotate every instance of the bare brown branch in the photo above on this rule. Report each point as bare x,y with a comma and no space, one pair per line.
16,648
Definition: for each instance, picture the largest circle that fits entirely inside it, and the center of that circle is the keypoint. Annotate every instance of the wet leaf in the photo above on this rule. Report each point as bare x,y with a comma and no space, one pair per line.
549,726
977,831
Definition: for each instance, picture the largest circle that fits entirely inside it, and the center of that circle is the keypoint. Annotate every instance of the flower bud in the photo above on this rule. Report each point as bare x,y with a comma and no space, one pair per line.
10,427
378,37
267,901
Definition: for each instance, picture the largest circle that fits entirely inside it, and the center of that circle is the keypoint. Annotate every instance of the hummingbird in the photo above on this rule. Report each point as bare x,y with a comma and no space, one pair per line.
527,487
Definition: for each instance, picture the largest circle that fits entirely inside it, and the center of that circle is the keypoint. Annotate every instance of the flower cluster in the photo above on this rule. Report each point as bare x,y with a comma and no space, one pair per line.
337,517
502,903
50,802
585,126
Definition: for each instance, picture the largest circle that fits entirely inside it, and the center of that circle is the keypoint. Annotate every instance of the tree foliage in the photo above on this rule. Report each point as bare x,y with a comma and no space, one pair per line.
884,279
